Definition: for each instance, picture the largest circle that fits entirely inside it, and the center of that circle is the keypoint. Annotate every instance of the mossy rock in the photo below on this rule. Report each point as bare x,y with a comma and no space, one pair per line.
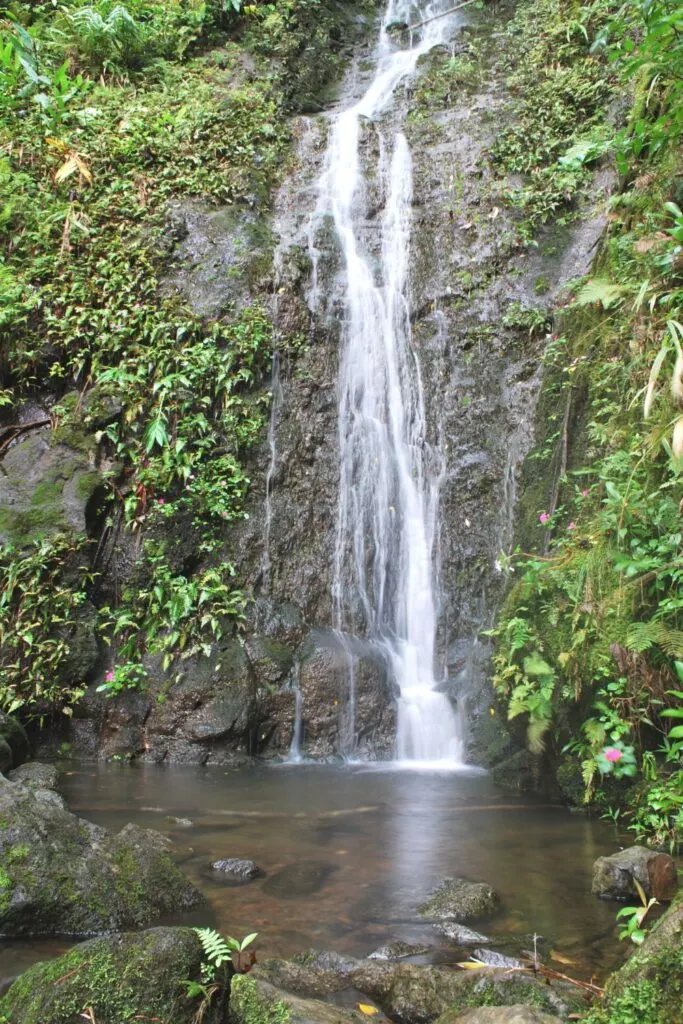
122,978
569,778
253,1001
62,875
458,899
648,989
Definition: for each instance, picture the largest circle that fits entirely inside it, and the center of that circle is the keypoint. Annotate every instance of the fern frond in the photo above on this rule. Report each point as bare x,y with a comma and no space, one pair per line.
216,949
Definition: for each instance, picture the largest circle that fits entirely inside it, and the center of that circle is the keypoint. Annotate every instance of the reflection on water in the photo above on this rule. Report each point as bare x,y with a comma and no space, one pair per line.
355,849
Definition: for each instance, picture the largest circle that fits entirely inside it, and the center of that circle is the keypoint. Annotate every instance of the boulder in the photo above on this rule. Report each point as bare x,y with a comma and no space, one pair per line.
235,871
13,742
502,1015
254,1001
118,979
35,775
495,959
458,899
649,987
62,875
613,877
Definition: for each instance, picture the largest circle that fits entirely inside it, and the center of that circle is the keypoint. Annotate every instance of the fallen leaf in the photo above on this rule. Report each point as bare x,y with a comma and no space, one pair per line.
472,965
560,957
367,1009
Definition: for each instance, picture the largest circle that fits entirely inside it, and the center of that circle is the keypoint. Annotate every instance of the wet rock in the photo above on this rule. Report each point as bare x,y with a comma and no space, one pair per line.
519,773
35,775
398,950
328,961
613,877
495,959
65,876
216,254
297,880
179,822
119,978
231,869
500,1015
459,934
13,742
458,899
416,995
254,999
312,979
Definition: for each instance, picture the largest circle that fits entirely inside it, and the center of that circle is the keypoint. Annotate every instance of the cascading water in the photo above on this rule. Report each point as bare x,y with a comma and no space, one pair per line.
277,395
389,475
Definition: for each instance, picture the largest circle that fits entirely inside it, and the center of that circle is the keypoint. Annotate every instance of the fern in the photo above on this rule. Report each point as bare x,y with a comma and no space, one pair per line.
641,636
599,290
215,947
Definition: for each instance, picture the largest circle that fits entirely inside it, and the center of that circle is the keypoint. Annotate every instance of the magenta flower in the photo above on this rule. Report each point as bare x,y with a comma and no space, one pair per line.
160,501
613,754
584,494
572,525
109,677
544,517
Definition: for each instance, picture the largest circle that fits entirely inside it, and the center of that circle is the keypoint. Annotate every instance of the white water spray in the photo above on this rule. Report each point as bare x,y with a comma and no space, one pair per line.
389,475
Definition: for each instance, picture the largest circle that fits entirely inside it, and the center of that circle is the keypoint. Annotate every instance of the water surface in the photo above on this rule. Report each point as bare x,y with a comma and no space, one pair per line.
373,843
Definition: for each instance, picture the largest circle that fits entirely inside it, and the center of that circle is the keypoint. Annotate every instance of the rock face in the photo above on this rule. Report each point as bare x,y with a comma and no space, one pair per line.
613,877
35,775
13,742
457,899
62,875
119,980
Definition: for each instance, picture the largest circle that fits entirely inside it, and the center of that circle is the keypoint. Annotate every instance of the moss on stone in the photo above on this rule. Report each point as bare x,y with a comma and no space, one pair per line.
124,978
249,1008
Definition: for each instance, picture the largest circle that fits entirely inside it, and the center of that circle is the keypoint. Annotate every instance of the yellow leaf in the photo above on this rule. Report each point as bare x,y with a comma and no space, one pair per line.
560,957
367,1009
471,965
72,164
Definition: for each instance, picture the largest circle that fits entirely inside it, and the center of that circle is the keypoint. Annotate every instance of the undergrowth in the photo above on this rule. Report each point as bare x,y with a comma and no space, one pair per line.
590,641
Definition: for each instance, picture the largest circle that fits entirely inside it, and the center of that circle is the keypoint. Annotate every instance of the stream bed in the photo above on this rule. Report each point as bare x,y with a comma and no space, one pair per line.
368,843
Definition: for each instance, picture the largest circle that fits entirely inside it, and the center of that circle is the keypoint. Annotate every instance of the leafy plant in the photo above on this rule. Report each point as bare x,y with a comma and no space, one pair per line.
633,917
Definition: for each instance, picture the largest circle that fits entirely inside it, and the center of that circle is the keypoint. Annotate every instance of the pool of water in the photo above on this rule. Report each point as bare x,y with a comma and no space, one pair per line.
372,842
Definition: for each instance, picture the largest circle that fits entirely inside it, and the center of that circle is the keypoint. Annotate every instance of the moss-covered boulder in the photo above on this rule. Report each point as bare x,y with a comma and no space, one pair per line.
13,742
35,775
648,989
503,1015
116,979
458,899
62,875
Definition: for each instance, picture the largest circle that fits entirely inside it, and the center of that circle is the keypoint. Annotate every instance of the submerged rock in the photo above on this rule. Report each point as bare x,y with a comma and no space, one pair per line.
457,899
459,934
399,950
495,959
62,875
613,877
231,869
122,978
296,880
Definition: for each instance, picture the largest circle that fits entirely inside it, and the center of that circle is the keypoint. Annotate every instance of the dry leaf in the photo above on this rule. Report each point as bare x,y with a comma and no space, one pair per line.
367,1009
560,957
471,965
72,164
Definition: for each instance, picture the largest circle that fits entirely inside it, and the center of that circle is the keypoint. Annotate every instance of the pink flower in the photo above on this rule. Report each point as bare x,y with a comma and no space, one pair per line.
160,501
572,526
544,517
584,494
109,677
612,754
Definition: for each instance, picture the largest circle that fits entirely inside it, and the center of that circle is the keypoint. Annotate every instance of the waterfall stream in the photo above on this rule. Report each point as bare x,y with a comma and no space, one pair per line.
384,568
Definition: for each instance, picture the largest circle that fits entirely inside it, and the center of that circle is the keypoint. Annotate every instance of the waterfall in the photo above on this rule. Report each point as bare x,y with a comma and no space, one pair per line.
389,474
295,745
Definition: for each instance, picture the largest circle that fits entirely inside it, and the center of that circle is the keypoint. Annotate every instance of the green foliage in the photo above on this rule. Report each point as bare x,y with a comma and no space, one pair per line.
591,637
